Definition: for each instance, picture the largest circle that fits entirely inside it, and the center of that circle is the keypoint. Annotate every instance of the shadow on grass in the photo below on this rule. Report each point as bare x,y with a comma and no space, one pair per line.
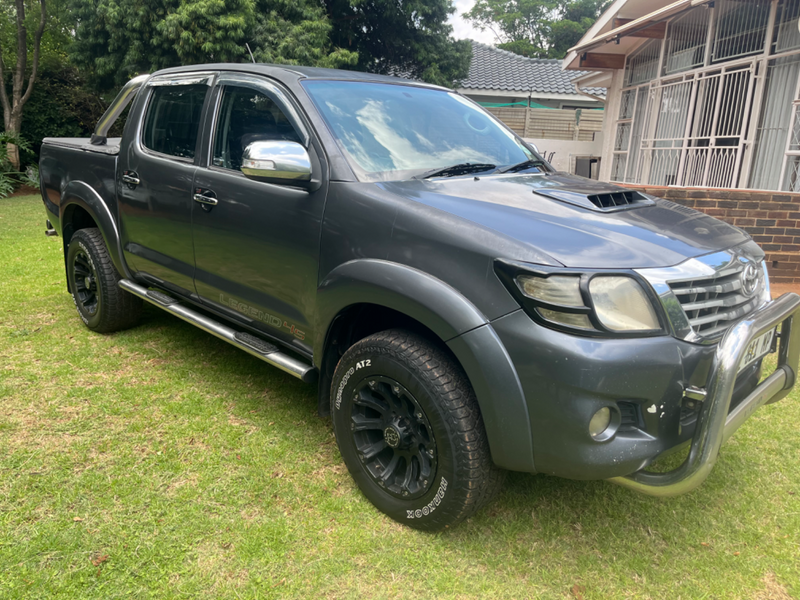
600,515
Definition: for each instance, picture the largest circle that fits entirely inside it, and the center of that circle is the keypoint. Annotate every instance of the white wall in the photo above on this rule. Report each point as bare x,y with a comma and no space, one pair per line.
613,97
567,150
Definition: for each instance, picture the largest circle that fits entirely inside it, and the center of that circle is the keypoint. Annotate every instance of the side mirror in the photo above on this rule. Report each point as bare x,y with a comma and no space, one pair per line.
277,161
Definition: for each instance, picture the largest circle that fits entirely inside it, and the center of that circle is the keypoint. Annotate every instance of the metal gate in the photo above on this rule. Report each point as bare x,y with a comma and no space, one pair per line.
697,126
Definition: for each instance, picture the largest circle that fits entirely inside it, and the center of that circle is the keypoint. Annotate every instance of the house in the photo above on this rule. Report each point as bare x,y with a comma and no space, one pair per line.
501,77
538,99
702,108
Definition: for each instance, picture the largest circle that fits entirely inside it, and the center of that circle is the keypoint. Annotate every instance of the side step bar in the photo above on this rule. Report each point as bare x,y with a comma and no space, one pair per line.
251,344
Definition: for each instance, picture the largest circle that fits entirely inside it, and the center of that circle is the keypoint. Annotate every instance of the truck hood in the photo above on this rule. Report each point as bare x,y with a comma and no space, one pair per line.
551,213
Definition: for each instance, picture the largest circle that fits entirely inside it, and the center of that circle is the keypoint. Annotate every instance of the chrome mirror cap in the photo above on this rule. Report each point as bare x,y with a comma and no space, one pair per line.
277,161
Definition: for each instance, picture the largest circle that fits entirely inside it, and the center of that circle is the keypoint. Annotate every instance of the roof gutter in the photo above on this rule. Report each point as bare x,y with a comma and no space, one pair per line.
637,24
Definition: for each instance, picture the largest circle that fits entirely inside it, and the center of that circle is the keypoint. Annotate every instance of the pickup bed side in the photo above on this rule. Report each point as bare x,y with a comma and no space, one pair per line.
78,188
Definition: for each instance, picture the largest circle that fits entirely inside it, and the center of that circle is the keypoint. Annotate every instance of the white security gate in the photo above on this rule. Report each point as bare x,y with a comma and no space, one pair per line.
697,126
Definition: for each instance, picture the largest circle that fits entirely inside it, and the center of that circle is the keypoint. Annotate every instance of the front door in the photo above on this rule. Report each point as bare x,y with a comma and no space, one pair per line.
257,248
154,182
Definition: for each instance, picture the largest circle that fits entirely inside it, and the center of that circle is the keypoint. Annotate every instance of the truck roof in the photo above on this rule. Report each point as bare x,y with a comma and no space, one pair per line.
293,73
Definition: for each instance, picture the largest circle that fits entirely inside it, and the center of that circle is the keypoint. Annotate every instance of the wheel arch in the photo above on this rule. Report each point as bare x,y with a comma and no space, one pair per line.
362,297
82,207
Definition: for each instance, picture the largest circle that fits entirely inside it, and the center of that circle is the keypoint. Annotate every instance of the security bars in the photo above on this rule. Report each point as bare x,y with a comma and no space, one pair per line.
714,104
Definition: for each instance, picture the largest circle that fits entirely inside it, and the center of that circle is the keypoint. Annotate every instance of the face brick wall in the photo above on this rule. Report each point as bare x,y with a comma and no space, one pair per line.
772,219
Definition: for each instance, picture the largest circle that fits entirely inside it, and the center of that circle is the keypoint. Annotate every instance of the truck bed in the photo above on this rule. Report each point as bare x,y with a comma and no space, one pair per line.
65,161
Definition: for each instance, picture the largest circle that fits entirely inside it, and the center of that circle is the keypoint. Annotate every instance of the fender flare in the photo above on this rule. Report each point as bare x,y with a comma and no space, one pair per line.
459,324
78,193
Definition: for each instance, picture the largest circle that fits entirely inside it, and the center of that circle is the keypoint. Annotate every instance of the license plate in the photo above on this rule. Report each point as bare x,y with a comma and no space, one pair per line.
757,348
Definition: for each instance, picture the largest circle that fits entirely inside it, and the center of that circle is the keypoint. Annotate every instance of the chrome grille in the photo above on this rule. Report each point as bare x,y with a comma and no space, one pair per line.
712,304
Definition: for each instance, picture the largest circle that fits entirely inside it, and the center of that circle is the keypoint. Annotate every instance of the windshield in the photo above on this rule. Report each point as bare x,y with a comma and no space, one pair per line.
390,131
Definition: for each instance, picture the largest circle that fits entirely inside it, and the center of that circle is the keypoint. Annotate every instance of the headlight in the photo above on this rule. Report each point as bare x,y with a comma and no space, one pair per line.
592,303
561,291
621,304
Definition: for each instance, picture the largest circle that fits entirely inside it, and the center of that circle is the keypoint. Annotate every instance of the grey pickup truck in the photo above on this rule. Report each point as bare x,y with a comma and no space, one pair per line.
463,308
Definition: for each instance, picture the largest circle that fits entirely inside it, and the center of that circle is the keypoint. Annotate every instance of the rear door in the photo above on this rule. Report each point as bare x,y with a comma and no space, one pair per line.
154,180
257,248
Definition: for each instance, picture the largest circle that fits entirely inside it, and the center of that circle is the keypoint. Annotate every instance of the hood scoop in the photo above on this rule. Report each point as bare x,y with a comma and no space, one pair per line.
610,201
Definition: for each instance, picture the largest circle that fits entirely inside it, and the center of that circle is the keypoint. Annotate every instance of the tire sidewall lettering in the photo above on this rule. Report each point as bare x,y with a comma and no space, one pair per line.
342,385
431,506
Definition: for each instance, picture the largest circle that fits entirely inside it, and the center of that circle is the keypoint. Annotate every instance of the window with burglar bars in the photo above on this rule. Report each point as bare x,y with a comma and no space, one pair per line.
715,104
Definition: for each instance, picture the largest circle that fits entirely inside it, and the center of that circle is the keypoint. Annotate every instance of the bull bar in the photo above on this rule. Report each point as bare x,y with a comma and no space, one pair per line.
715,424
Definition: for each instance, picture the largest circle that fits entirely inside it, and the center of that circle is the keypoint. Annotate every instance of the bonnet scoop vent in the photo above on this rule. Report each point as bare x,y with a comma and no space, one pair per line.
610,201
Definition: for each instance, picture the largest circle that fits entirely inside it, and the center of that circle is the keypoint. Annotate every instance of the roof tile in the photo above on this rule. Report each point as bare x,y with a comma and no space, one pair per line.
495,69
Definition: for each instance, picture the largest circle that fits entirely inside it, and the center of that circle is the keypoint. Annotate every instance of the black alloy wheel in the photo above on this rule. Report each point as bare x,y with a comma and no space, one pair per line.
94,282
410,431
85,277
393,437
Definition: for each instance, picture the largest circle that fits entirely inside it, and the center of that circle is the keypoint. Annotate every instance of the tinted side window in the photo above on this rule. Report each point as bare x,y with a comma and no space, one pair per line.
247,116
173,119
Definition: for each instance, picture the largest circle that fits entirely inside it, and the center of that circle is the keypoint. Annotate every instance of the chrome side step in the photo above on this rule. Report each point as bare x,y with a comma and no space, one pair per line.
251,344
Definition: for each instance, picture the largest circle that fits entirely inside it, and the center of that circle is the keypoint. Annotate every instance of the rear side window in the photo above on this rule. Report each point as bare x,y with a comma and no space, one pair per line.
172,121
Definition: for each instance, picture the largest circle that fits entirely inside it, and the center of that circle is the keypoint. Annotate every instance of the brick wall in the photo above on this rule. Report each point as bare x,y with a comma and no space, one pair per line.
773,219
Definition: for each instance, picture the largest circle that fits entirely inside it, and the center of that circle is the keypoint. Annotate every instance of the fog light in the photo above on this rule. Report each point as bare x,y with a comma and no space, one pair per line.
600,422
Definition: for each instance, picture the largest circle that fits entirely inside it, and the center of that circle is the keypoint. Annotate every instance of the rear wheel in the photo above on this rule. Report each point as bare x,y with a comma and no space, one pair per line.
102,305
410,431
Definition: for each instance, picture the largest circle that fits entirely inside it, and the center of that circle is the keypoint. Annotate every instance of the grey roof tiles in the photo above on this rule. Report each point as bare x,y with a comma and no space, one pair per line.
495,69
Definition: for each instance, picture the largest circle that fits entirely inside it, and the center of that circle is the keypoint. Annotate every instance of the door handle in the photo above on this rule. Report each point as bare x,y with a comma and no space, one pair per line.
131,178
203,199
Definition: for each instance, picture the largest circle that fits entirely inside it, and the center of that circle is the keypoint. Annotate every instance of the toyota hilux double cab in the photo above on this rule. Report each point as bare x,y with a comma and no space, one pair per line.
463,308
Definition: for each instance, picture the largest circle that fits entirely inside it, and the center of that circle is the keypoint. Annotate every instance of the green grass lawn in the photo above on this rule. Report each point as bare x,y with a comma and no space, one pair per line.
161,462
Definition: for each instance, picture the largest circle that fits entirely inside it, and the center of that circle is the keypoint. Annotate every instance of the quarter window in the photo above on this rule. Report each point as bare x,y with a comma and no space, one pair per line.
173,119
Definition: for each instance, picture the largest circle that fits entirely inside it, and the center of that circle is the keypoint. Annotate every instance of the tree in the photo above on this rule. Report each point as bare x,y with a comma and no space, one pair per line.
20,89
536,28
410,38
297,32
115,39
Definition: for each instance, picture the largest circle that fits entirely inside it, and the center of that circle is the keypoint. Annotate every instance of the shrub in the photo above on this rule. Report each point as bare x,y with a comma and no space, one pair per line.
10,178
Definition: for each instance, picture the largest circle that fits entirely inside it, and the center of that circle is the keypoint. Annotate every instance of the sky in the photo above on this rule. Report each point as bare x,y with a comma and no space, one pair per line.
462,29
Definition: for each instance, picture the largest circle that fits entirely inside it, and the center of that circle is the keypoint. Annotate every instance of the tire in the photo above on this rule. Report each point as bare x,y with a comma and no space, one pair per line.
410,431
102,305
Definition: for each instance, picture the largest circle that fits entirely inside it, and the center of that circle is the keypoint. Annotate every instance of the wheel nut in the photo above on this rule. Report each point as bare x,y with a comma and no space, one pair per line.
396,390
405,493
352,426
425,482
419,416
371,384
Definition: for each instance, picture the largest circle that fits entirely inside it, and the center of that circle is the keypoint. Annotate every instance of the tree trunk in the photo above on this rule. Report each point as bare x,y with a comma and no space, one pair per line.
12,107
13,125
12,152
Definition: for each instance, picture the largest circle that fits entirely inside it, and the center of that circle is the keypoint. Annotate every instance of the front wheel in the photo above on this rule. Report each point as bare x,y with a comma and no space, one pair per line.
94,281
409,429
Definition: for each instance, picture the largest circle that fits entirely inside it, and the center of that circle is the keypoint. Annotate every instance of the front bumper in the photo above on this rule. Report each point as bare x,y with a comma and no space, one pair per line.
715,423
567,378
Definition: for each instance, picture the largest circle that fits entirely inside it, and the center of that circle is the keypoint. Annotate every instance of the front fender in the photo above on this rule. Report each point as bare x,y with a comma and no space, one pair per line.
78,193
409,291
458,323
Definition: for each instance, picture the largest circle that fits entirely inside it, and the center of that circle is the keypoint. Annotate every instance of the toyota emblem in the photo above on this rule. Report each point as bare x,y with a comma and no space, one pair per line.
749,279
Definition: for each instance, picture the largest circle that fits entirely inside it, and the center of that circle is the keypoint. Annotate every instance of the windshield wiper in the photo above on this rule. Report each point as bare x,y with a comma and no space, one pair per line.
521,166
453,170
